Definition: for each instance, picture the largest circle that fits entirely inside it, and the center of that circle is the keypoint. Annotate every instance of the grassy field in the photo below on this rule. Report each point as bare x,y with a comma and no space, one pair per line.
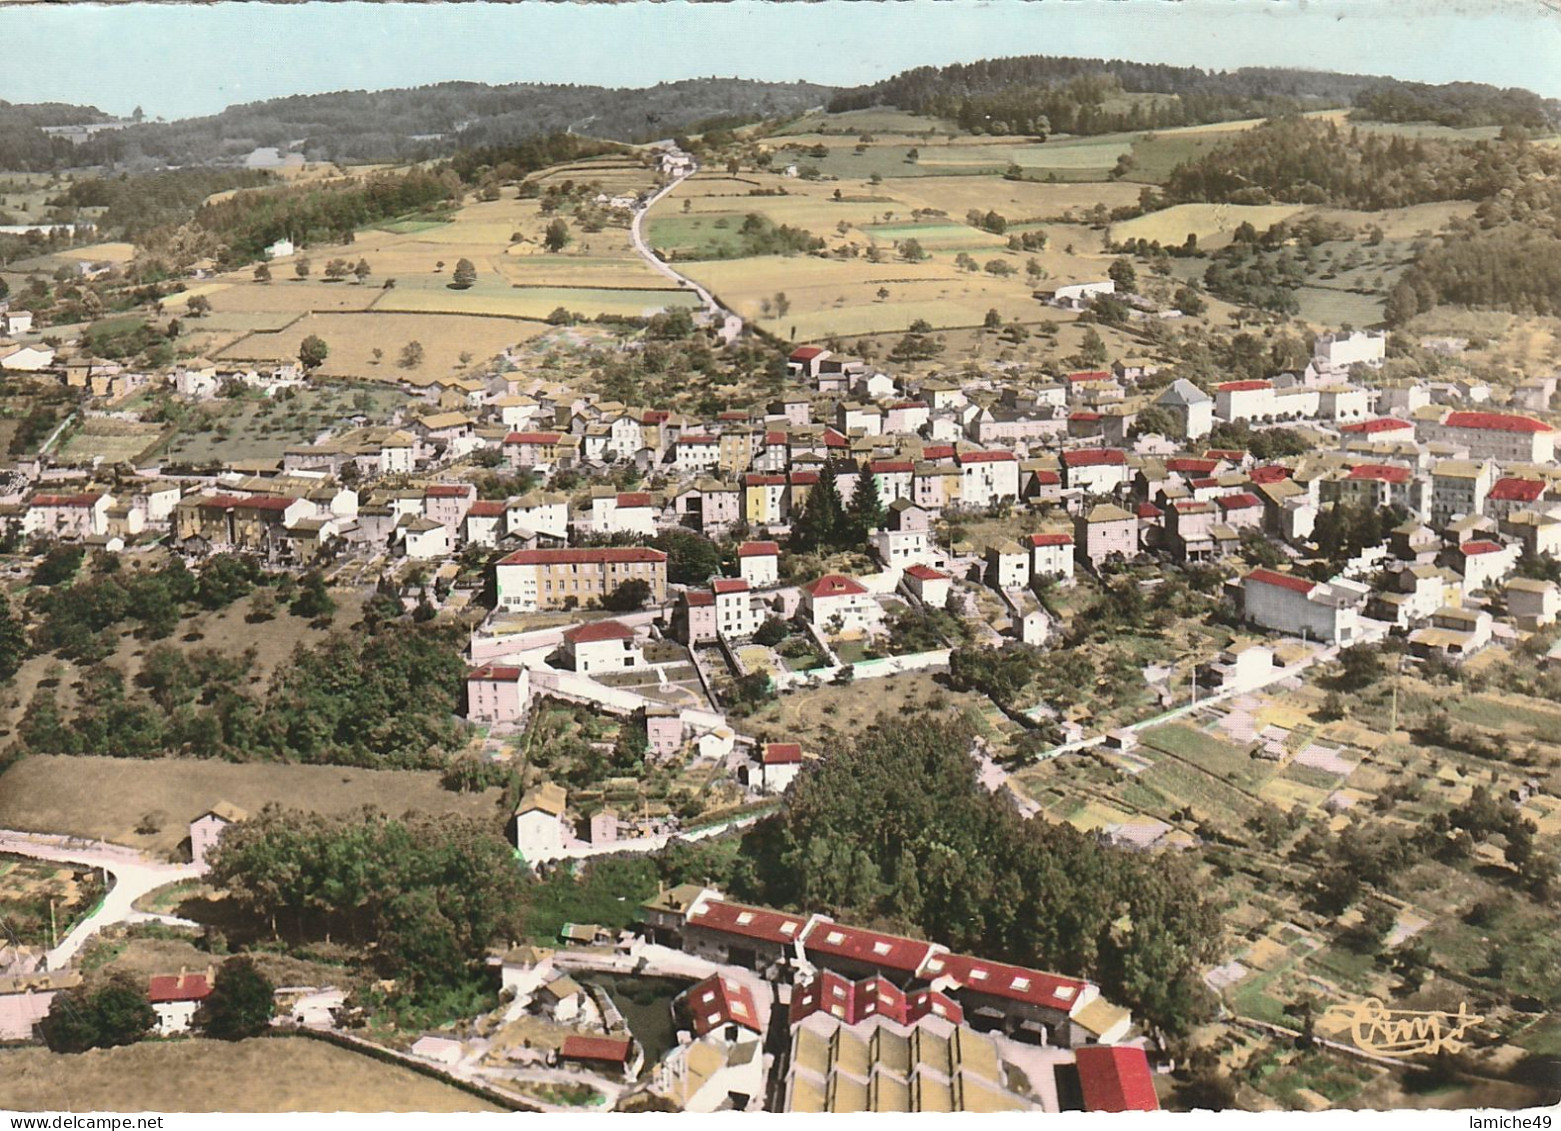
261,1075
1211,223
105,798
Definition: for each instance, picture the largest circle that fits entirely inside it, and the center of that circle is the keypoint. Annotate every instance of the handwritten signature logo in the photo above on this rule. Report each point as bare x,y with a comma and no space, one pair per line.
1401,1032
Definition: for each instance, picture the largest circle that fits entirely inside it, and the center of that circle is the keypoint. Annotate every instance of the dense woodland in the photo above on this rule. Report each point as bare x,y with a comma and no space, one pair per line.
896,828
1040,94
414,124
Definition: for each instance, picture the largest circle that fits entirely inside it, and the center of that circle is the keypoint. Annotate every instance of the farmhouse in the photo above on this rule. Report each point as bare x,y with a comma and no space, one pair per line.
176,997
840,604
1299,607
602,646
497,695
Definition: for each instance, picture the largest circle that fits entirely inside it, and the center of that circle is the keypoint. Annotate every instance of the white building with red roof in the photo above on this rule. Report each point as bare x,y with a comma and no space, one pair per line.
1245,400
1382,428
528,580
758,563
1483,563
69,517
738,612
623,512
840,604
1099,471
1508,437
806,362
485,523
1298,606
176,998
602,646
1376,485
779,764
987,477
929,586
1051,555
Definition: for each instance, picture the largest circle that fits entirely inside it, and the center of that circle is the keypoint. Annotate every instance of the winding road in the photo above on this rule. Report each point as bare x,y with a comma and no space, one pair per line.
731,324
133,876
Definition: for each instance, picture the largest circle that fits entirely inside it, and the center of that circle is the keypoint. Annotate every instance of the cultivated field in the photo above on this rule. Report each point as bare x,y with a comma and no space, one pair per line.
353,337
1211,223
518,285
117,441
262,1075
105,798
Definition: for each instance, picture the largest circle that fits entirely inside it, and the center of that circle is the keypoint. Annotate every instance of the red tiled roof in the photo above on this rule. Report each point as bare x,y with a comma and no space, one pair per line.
777,438
1372,427
585,555
908,404
1514,490
734,414
805,353
1187,465
804,478
1148,510
449,491
720,1000
1473,549
723,585
597,631
1115,1078
1234,455
758,550
633,499
250,502
1051,539
487,508
614,1050
533,437
1283,580
1382,472
782,754
925,573
1273,473
751,922
178,987
1017,983
1094,457
698,598
1047,478
65,500
1083,417
1496,422
987,457
494,672
937,451
1239,501
834,585
833,439
656,416
1244,386
828,940
1089,375
891,466
752,480
1206,481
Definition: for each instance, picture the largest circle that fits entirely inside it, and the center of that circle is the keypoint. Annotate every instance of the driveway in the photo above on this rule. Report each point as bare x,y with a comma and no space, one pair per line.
131,876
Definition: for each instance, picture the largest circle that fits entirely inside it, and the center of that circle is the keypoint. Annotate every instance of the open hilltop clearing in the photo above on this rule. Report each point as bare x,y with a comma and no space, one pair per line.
106,798
518,284
263,1074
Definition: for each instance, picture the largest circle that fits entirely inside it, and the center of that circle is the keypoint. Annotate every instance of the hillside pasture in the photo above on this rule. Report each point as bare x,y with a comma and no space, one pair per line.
352,338
1213,224
263,1074
106,798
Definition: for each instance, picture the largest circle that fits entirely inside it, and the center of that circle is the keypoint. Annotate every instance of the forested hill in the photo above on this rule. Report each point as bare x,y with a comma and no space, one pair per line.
1043,94
419,123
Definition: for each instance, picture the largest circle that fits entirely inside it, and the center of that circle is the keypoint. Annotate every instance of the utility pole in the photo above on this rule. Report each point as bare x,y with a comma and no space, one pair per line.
54,934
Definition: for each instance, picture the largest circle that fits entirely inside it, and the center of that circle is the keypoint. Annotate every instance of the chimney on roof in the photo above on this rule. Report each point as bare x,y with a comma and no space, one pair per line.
179,985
